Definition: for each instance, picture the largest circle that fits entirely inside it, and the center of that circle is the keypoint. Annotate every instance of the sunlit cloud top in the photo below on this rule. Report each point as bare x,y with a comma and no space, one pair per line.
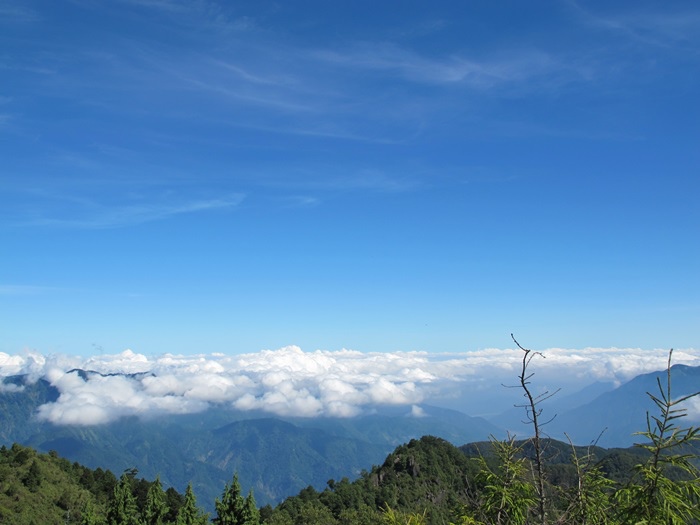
291,382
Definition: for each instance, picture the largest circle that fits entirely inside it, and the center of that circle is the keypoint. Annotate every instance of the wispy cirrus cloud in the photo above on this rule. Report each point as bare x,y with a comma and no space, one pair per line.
453,69
17,12
105,216
251,76
161,5
250,83
669,27
331,179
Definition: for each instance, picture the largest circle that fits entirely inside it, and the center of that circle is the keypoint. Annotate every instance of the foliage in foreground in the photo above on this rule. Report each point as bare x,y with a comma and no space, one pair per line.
663,488
535,481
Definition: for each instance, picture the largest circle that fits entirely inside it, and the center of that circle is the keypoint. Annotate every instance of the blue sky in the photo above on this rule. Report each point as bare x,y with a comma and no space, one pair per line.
202,176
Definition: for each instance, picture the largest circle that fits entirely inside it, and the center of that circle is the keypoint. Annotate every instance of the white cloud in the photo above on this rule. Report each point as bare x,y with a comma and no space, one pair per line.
692,406
291,382
126,362
417,411
11,364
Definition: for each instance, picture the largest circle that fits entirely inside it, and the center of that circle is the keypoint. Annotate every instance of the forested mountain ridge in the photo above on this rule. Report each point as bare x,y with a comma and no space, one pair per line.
427,479
436,480
425,475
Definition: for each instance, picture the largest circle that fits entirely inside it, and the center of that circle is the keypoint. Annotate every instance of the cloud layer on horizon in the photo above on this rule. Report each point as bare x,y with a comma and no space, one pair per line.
291,382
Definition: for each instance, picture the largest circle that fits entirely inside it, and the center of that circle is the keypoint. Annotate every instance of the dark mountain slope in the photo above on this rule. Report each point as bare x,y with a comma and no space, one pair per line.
18,403
622,412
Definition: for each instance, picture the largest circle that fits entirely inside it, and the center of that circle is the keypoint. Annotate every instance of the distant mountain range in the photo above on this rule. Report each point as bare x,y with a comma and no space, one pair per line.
621,412
609,415
278,457
274,456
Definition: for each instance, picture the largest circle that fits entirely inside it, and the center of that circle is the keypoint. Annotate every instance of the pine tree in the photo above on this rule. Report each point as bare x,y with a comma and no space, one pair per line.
32,480
251,514
234,509
230,508
189,513
122,507
156,507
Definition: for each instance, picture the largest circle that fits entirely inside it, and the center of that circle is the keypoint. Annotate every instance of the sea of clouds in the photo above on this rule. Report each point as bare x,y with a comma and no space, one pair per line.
291,382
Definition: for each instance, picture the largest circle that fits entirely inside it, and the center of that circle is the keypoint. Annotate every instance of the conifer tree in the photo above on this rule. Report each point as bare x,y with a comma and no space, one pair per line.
32,480
156,507
230,507
251,514
189,513
234,509
122,507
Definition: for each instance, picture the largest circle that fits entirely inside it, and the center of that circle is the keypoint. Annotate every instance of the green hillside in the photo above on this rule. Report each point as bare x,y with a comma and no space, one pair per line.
46,489
427,480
